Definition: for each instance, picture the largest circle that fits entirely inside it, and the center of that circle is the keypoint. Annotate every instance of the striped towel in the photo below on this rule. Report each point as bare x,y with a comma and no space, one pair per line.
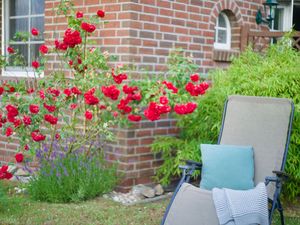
242,207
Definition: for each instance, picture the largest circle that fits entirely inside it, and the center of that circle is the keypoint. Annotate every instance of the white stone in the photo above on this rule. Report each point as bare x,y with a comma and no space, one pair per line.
148,192
158,189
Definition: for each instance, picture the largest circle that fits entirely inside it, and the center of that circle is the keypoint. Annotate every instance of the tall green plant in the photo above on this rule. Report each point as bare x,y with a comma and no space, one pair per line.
275,73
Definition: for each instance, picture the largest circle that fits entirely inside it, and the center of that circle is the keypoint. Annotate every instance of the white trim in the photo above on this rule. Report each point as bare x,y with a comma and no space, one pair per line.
227,45
16,71
287,16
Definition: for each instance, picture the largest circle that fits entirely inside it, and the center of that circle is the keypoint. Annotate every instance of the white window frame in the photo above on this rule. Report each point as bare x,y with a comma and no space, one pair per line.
287,17
15,71
227,45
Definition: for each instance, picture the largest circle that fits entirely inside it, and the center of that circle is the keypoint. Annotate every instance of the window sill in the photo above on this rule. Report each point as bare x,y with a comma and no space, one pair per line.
220,55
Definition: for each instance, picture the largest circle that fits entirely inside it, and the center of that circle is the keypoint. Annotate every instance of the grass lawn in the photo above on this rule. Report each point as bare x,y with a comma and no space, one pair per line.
98,211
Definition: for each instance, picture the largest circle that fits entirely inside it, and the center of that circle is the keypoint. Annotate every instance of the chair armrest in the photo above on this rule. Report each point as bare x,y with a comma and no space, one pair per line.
281,174
197,165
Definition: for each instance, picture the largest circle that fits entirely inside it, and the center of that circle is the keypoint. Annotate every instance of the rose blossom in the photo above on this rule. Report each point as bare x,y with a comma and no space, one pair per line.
19,157
79,14
10,50
88,27
37,136
88,115
34,109
43,49
34,31
101,13
51,119
194,77
35,64
9,131
134,118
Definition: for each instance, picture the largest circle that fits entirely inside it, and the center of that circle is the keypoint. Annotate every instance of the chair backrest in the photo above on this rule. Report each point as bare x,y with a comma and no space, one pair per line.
265,124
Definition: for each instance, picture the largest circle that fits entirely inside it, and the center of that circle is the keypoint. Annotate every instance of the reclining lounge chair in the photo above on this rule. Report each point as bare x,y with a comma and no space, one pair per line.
261,122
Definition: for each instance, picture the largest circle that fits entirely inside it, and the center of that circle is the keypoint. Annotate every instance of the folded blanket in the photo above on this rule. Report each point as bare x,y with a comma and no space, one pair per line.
242,207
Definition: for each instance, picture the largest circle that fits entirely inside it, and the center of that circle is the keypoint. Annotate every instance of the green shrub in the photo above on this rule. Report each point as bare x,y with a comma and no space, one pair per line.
275,73
71,177
3,197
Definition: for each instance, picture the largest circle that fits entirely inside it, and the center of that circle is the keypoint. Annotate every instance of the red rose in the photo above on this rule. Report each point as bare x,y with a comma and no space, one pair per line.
88,115
51,119
124,107
53,91
34,31
1,90
88,27
30,90
194,77
19,157
170,86
35,64
75,91
102,107
100,13
163,100
60,45
71,38
119,78
129,90
37,136
26,147
9,131
43,49
73,106
68,92
4,174
50,108
27,120
134,118
111,92
42,94
17,123
12,111
90,98
183,109
10,50
115,114
34,109
57,136
79,15
70,62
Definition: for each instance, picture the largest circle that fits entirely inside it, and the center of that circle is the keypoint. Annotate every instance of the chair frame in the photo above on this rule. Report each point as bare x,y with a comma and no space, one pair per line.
278,178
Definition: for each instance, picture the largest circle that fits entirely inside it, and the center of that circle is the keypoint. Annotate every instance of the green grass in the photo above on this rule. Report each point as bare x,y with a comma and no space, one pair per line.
99,211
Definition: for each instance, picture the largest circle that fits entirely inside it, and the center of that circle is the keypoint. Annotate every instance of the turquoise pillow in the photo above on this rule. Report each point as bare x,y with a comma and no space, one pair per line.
227,166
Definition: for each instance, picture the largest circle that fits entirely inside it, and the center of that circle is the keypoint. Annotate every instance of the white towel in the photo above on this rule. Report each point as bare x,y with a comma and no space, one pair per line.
236,207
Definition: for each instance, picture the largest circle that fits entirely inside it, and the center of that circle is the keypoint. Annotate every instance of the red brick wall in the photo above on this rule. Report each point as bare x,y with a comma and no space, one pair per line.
142,33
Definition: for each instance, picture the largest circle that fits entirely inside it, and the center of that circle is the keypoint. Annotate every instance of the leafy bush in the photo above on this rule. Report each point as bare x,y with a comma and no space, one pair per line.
275,73
71,177
3,197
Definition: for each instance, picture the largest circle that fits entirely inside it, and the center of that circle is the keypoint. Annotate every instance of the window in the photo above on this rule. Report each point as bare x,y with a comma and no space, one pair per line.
283,18
21,16
222,32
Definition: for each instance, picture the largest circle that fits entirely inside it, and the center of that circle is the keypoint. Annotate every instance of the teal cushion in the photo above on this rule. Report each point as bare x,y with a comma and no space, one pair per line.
227,166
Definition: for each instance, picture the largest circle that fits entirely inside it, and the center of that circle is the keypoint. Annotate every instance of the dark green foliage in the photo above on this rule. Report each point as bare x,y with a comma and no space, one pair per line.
275,74
72,178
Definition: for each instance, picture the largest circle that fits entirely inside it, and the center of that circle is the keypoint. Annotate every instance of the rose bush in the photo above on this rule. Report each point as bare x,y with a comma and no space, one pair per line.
85,97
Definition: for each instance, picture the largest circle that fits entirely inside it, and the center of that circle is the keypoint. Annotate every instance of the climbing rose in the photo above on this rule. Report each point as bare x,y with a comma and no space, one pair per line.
1,90
35,64
134,118
73,106
100,13
129,90
37,136
50,108
122,106
19,157
88,27
4,174
12,111
34,32
111,92
9,131
154,111
163,100
10,50
51,119
79,14
43,49
34,109
90,98
187,108
170,86
26,147
71,38
196,90
30,90
68,92
75,91
17,122
194,77
119,78
27,120
88,115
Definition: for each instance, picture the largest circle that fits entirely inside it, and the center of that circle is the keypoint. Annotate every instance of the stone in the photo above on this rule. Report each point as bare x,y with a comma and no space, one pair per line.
148,192
137,190
158,189
21,172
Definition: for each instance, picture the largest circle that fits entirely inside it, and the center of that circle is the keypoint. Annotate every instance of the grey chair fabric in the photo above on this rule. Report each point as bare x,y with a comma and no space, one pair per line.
262,123
192,206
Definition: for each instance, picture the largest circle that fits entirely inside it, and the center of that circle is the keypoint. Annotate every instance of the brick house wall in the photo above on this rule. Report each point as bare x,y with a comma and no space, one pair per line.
142,33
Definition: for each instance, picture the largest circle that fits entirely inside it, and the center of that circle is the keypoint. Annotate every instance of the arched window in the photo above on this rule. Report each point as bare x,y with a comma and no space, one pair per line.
222,32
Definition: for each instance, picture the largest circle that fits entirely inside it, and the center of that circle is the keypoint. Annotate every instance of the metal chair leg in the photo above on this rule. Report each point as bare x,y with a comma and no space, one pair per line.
280,209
